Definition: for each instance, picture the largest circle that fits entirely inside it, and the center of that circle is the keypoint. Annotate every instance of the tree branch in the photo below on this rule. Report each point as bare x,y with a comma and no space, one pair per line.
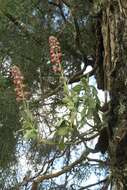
77,78
64,170
94,184
22,27
66,3
59,5
97,160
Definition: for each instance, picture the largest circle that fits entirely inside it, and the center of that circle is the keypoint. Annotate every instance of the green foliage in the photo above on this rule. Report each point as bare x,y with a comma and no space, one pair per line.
24,42
29,126
82,99
9,124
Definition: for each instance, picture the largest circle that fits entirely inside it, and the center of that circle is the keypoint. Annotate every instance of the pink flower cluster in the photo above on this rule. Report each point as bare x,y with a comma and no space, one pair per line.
55,53
18,83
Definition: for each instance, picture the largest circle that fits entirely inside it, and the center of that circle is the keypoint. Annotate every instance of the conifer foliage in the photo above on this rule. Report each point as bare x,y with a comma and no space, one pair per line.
55,56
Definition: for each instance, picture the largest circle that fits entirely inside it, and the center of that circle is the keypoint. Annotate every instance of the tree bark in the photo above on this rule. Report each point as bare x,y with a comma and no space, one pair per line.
114,32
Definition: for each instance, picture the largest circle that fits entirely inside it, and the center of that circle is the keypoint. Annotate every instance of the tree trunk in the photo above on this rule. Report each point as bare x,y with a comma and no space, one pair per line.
114,32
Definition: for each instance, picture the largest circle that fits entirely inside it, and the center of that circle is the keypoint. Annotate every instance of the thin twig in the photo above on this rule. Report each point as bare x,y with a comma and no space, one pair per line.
94,184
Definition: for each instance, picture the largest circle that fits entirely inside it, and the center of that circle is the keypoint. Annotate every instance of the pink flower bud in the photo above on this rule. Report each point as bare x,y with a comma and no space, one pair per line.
18,78
55,53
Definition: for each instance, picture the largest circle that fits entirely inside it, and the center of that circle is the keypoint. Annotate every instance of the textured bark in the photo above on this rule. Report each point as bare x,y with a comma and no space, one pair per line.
114,32
34,186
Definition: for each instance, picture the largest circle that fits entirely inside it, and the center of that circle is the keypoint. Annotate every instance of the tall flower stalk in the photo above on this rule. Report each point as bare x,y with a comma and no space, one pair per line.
80,106
28,122
55,54
56,60
18,81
